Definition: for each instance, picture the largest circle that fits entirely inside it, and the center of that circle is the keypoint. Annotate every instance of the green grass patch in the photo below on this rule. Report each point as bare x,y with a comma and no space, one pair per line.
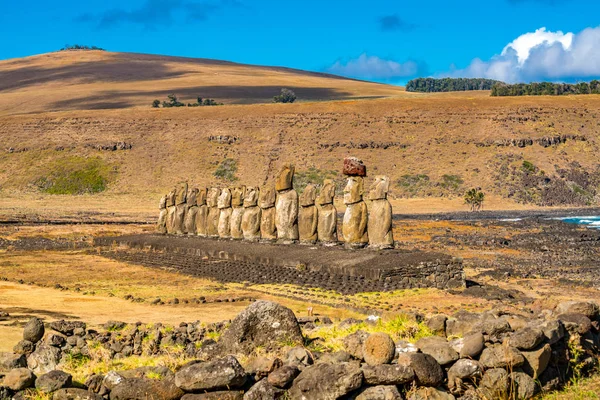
315,176
76,175
226,170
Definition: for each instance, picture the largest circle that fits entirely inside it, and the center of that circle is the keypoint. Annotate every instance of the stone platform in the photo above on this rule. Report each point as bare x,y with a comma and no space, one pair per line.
335,268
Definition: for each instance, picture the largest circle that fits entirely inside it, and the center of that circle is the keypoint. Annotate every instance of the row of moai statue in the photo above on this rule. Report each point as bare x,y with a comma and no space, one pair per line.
279,214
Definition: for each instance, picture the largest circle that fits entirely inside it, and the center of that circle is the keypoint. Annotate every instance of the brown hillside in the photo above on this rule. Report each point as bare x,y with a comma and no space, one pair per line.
78,80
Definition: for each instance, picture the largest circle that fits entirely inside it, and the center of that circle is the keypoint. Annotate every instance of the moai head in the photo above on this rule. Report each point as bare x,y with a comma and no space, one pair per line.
308,196
224,199
213,197
237,196
267,197
285,178
327,193
251,198
163,202
354,190
182,191
171,197
201,198
192,197
379,188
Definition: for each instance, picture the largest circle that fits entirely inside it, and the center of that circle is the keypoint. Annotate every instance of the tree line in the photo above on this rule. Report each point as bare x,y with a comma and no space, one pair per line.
427,85
546,89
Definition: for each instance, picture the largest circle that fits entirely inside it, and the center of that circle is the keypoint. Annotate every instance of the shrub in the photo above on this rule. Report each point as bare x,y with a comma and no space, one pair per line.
286,96
227,170
156,103
316,177
451,182
474,199
80,47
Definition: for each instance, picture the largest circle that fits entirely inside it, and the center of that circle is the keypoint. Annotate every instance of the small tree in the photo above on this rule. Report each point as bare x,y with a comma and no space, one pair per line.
286,96
474,199
156,103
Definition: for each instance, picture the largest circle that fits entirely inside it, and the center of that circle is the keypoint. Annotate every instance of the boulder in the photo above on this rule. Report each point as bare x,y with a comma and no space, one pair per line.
354,167
387,374
437,324
378,348
34,330
263,366
263,390
403,346
524,385
283,377
24,347
500,356
536,361
469,346
66,327
466,369
379,393
112,379
494,328
52,381
353,343
219,374
461,323
525,339
429,393
299,357
10,361
335,357
427,371
326,381
221,395
19,379
589,309
553,330
576,323
146,389
494,384
44,359
75,394
438,348
55,340
264,324
94,384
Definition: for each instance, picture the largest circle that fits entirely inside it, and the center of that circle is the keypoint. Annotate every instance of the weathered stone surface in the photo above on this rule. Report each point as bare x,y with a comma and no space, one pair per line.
219,374
52,381
438,348
10,361
500,356
24,347
263,390
437,324
299,357
75,394
494,384
19,379
237,214
494,328
225,211
525,339
378,348
33,330
461,323
252,215
55,340
354,167
284,376
327,213
380,215
171,200
427,371
44,359
587,308
553,330
146,389
161,224
335,357
308,215
354,227
66,327
262,366
266,201
469,346
387,374
112,379
286,216
353,343
429,393
212,218
536,361
202,214
263,323
326,381
465,369
577,323
379,393
220,395
524,385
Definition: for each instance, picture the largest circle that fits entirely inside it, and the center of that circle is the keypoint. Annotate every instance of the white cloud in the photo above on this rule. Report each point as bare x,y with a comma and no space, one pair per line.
373,67
542,55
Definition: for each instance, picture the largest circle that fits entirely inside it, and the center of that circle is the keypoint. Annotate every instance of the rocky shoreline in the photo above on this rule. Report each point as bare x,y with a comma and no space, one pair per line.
268,353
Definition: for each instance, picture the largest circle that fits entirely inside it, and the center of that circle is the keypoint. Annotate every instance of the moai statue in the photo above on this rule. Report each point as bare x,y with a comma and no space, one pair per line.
191,212
252,212
161,225
212,221
181,208
237,204
327,214
380,215
286,208
171,199
225,212
202,214
354,227
307,216
266,202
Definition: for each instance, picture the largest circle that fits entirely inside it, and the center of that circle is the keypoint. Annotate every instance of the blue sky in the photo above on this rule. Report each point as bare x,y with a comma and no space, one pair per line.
387,41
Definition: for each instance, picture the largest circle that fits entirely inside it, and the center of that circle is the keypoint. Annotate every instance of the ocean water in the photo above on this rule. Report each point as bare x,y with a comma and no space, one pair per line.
589,221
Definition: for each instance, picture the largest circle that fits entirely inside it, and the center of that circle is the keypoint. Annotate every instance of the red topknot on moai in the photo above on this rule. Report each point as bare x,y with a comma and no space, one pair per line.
354,167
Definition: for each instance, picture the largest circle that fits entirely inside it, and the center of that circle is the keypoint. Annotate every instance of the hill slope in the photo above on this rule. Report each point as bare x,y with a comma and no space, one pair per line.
79,80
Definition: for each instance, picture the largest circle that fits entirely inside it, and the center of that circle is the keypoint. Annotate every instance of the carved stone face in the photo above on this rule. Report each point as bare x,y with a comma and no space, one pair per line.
285,178
353,192
201,199
213,197
192,197
163,202
171,197
379,188
237,196
251,199
327,193
308,196
267,197
224,199
182,190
